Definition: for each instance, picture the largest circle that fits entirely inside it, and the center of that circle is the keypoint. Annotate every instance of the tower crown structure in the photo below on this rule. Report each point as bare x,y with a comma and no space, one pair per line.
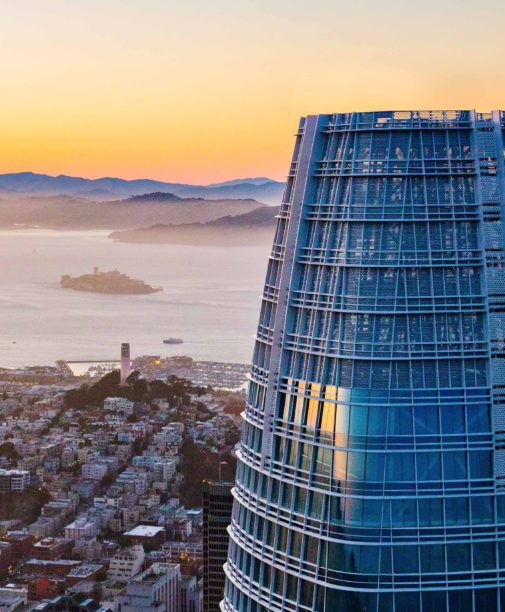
371,472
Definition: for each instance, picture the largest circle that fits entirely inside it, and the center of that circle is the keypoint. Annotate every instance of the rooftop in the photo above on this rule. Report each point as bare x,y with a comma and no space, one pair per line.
84,570
147,531
69,562
79,523
153,574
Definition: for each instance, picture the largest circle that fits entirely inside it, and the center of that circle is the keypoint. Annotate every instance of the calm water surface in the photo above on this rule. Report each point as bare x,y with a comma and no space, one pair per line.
210,298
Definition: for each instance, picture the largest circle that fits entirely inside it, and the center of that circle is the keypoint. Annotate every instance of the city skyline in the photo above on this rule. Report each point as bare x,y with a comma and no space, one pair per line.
205,92
252,293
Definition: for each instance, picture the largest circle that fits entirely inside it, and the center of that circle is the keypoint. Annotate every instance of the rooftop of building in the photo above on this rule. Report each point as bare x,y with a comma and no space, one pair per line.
49,542
7,599
84,570
17,535
153,574
79,523
78,599
13,472
217,487
69,562
132,552
146,531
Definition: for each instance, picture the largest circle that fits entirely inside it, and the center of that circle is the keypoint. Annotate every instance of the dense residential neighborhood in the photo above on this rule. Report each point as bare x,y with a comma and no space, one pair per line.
101,489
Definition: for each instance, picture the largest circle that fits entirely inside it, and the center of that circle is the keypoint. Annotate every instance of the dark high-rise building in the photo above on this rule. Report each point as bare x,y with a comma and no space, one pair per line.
371,472
217,505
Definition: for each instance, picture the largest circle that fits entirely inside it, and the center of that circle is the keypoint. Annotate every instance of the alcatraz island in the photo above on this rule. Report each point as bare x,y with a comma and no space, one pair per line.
107,282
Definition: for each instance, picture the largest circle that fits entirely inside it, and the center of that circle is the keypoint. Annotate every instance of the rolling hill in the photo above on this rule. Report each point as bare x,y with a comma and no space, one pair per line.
254,227
71,212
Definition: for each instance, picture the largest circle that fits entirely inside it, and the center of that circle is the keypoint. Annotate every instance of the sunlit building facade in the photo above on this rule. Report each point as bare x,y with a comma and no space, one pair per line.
371,472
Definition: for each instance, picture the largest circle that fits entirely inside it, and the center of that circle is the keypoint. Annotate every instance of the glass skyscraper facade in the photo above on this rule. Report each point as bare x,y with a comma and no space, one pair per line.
371,472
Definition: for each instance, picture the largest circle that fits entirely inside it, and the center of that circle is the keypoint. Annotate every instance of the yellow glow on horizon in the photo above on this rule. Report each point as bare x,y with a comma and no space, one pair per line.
210,91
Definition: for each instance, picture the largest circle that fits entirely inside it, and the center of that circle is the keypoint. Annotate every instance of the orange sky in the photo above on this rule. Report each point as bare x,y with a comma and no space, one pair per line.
206,91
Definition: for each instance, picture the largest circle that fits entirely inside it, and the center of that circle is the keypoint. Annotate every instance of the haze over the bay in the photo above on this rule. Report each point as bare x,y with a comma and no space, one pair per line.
210,299
206,247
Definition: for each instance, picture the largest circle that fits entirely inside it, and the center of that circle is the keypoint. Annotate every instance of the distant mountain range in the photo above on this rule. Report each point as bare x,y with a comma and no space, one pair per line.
262,189
254,227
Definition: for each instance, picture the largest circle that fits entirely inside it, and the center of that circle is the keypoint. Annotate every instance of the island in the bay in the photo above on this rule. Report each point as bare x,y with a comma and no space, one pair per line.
107,282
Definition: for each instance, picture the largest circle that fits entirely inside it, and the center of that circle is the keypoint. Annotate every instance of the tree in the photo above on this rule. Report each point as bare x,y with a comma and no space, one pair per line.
8,450
199,463
139,445
107,480
176,391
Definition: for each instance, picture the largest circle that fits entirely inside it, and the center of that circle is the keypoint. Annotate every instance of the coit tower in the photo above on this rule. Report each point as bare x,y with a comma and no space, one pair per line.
125,362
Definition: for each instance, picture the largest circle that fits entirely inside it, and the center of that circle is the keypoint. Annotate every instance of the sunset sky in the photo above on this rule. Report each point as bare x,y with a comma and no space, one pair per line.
201,91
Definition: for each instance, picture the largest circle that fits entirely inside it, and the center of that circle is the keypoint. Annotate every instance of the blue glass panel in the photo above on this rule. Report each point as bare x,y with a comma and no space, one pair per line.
432,558
458,558
484,555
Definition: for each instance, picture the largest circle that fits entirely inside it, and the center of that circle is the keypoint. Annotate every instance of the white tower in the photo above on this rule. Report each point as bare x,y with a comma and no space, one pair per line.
125,362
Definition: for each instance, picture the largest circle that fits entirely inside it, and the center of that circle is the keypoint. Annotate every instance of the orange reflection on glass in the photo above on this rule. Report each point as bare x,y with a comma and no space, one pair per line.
313,405
339,465
297,418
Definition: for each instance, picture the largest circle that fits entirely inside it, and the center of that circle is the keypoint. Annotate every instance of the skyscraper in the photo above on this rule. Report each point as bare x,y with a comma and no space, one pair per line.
371,473
217,504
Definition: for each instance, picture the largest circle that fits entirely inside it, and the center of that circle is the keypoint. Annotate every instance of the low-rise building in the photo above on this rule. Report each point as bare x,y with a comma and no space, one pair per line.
14,480
51,568
150,535
72,602
6,557
192,551
157,589
126,563
118,404
13,598
43,527
81,528
95,470
191,599
108,501
84,487
21,542
52,549
86,571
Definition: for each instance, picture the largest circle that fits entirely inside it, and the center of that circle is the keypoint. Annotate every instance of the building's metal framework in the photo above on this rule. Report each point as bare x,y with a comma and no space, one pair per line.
371,472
